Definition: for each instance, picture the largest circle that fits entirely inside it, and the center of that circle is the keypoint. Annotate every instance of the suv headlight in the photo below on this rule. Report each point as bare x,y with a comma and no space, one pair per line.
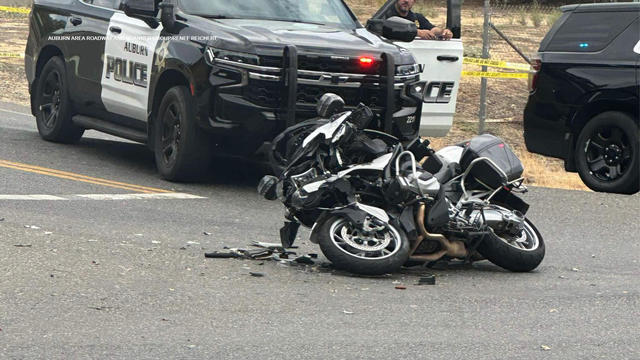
404,70
211,54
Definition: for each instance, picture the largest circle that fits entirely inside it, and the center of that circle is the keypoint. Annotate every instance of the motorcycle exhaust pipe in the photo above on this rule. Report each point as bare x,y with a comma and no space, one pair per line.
454,248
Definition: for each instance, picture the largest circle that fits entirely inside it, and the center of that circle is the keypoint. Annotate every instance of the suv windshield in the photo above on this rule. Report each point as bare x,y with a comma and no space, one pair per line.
324,12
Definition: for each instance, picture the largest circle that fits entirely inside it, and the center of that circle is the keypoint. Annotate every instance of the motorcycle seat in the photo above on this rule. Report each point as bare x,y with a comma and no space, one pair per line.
446,173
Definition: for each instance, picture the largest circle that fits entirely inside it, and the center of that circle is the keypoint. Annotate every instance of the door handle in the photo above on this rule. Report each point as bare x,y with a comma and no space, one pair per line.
448,58
75,21
115,30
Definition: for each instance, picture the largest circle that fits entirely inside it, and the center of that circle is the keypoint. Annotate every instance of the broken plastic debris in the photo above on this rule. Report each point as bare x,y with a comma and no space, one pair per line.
22,245
256,274
32,227
193,243
48,233
155,242
206,233
400,287
348,312
427,280
575,269
553,310
545,347
222,255
304,260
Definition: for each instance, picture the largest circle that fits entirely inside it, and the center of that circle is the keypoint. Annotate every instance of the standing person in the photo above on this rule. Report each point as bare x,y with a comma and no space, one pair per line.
426,30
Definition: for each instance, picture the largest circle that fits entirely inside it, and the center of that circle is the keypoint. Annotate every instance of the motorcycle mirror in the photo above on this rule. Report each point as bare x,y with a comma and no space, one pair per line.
329,105
267,187
361,116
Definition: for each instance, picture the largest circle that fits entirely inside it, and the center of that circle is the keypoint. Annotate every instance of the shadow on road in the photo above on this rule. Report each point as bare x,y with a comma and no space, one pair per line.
137,157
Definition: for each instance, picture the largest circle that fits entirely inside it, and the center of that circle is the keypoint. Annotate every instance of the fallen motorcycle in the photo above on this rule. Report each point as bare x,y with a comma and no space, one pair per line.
373,208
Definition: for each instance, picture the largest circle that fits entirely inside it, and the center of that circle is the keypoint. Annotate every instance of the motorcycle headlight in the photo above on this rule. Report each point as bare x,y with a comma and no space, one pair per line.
211,54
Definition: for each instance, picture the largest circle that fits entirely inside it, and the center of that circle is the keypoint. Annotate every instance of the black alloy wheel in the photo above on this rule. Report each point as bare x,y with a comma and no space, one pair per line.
171,134
182,149
607,153
53,108
50,100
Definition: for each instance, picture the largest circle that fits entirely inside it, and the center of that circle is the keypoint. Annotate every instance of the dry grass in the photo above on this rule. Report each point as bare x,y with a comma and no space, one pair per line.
506,98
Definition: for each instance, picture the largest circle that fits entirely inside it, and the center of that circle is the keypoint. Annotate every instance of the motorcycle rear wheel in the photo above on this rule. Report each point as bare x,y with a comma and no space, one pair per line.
518,254
348,249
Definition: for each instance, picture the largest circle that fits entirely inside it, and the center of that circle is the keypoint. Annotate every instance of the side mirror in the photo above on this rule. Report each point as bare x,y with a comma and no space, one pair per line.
145,10
397,28
268,187
329,105
168,17
394,28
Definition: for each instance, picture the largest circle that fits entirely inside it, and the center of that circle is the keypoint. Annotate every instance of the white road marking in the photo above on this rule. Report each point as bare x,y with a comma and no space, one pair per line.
17,113
172,196
31,197
103,197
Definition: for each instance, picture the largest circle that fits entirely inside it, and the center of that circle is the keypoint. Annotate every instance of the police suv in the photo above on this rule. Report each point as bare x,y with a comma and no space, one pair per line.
194,78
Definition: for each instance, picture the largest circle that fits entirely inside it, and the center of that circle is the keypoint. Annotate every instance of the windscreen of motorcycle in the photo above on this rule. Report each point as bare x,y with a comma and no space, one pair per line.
327,130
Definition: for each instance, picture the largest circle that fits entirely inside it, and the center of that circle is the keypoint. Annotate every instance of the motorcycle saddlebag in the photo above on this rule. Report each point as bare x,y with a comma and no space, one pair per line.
488,146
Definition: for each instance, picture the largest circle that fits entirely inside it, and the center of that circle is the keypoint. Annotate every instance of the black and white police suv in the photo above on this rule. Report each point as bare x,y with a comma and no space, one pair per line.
196,78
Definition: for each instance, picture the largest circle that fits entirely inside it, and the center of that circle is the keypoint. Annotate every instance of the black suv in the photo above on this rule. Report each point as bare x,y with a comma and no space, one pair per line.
584,101
194,78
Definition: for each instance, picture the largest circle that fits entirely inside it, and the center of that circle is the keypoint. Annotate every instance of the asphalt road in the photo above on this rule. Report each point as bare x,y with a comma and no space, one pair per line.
96,278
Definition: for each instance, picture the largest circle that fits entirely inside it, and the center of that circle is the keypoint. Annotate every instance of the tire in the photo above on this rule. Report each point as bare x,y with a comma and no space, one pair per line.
607,153
344,256
53,108
182,150
498,250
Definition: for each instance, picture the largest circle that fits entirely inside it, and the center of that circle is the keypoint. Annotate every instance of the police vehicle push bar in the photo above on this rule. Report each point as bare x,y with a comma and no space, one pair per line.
290,65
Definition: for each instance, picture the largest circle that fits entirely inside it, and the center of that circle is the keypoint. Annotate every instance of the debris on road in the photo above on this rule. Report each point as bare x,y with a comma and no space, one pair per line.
545,347
427,280
575,269
1,219
347,312
23,245
48,233
553,310
400,287
32,227
257,274
264,251
207,233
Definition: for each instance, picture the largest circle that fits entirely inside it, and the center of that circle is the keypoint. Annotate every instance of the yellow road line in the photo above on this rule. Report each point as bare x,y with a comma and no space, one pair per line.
490,74
78,177
12,9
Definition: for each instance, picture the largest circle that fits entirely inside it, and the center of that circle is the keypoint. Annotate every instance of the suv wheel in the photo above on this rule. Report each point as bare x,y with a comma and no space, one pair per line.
607,153
182,150
53,109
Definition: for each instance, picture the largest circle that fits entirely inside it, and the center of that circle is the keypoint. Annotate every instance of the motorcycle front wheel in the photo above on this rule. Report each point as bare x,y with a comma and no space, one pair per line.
376,252
519,253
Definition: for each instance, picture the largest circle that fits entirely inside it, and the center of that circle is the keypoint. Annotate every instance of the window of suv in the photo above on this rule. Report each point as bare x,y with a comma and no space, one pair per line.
590,31
324,12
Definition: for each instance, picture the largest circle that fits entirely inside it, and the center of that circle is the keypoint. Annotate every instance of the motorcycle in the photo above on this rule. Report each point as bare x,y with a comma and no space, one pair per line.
372,207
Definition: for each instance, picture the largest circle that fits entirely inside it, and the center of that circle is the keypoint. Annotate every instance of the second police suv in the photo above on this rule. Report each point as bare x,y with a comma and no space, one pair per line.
196,78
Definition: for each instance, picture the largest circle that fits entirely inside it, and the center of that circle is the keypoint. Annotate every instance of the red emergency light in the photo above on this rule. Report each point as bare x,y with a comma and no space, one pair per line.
366,61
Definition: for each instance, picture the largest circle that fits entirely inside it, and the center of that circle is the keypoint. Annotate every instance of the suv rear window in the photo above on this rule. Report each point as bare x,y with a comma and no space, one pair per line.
590,31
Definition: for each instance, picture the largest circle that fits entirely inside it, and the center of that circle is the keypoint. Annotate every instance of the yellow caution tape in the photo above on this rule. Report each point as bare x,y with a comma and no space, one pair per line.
496,63
19,10
10,55
490,74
